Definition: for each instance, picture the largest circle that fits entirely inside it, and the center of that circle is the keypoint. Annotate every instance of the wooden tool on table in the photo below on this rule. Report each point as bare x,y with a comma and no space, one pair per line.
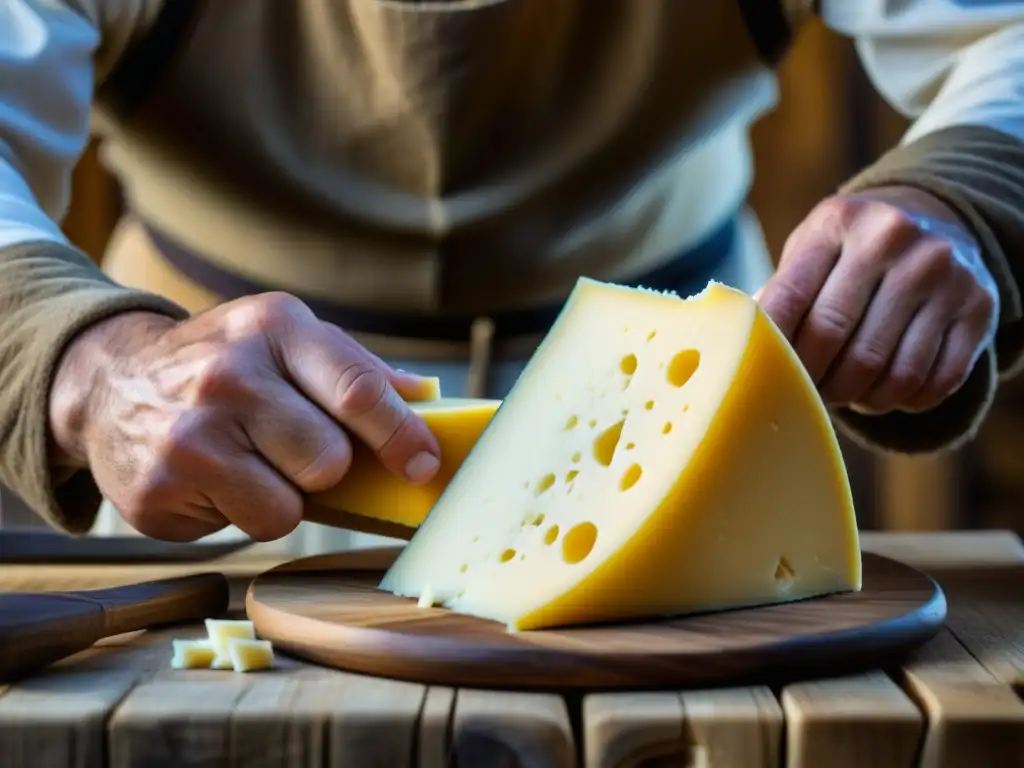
40,628
328,609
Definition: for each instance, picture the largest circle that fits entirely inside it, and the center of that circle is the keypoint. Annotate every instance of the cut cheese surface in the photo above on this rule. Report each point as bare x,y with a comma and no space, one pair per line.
192,654
371,490
250,655
658,456
220,632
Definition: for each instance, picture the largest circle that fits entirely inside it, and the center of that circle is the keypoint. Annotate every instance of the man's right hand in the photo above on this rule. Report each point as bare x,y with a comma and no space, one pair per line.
228,417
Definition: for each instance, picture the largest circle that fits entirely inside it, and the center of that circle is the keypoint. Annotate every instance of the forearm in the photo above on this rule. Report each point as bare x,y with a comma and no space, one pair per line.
49,291
49,294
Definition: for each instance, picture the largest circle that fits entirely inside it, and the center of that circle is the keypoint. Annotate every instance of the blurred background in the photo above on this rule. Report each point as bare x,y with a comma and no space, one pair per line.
829,124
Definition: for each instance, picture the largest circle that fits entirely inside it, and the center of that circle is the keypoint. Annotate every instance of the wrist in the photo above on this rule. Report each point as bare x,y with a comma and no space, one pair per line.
79,383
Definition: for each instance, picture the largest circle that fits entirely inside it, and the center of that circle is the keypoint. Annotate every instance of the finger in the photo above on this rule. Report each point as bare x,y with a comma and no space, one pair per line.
175,526
345,380
298,439
411,386
953,365
921,274
911,365
790,292
839,309
253,496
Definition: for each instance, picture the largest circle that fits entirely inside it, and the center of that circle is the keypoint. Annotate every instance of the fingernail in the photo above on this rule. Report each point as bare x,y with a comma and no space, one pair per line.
421,467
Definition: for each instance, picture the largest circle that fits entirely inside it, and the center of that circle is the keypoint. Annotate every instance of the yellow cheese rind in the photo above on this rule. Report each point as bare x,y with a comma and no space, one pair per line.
250,655
191,654
658,456
369,489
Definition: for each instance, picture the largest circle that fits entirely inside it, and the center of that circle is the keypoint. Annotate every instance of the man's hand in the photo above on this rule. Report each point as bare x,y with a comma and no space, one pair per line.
228,417
886,300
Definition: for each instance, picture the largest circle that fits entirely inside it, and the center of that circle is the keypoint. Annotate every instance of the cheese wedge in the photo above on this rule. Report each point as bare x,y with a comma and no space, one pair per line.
658,456
371,490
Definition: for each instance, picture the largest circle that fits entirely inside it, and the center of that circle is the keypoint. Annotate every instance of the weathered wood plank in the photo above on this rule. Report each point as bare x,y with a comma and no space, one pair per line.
973,718
734,727
59,717
851,721
514,730
627,729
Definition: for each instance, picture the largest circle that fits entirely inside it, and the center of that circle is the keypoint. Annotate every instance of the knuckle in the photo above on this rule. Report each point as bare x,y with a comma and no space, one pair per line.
907,380
981,305
837,212
868,359
218,377
949,381
270,310
937,264
360,389
893,221
831,323
327,468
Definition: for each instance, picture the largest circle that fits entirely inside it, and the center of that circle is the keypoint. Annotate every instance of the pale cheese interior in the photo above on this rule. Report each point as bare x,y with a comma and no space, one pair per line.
658,455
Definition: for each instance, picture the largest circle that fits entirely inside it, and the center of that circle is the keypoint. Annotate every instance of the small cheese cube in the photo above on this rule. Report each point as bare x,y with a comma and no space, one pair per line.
192,654
657,456
249,655
222,662
222,630
369,489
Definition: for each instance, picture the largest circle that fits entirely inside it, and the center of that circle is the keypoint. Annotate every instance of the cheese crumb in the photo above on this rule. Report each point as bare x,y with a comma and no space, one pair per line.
222,630
232,644
192,654
250,655
427,598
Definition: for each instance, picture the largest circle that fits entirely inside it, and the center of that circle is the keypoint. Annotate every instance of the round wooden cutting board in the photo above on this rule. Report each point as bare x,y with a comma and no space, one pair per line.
327,609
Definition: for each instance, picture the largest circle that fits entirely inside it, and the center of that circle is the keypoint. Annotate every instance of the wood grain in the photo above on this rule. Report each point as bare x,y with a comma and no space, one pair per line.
328,609
862,720
37,629
973,718
119,704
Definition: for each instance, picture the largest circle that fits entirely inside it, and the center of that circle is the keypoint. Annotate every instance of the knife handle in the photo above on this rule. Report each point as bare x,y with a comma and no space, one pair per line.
40,628
167,601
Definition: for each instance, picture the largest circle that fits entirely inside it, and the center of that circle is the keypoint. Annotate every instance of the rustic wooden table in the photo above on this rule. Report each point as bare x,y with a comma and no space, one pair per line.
119,704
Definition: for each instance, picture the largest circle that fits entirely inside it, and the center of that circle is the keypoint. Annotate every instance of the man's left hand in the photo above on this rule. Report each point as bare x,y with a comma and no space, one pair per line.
885,298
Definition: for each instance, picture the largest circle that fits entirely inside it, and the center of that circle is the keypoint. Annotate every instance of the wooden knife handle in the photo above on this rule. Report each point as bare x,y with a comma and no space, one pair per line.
167,601
40,628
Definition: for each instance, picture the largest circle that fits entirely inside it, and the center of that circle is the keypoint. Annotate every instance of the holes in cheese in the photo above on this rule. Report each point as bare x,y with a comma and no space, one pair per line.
370,490
606,443
578,542
630,477
682,498
551,536
682,367
545,483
